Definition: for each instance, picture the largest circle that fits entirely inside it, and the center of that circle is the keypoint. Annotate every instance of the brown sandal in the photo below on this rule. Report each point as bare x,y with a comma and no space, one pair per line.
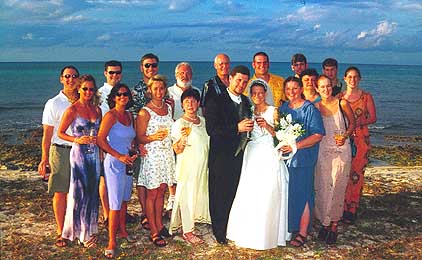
299,239
192,239
157,240
60,241
144,222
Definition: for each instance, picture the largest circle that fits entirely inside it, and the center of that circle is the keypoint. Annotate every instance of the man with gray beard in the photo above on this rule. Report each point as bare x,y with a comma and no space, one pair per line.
183,73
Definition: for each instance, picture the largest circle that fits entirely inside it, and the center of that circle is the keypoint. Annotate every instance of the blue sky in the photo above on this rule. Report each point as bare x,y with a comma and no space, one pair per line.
378,31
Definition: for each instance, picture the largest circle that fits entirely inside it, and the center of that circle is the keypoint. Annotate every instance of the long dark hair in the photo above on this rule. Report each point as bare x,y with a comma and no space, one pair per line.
113,93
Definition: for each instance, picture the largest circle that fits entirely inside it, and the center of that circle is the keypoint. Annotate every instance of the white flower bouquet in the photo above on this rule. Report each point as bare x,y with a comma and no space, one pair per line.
286,133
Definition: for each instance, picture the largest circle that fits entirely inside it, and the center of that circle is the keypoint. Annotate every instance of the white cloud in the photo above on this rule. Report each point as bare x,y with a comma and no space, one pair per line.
181,5
317,26
376,36
104,37
361,35
28,36
73,18
408,5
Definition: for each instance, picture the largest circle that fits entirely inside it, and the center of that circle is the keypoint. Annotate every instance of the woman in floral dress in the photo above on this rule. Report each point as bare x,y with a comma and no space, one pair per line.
153,125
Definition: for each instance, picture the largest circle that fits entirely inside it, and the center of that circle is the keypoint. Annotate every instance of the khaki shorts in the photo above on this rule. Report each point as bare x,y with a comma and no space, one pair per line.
59,159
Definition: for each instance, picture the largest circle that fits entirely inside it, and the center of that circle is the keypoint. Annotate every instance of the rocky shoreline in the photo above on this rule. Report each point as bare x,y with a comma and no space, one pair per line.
25,152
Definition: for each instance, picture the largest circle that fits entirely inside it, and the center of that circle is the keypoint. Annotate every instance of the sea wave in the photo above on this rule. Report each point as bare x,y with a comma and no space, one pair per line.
21,107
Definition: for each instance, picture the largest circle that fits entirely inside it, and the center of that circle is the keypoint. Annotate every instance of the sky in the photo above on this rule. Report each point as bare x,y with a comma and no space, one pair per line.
368,32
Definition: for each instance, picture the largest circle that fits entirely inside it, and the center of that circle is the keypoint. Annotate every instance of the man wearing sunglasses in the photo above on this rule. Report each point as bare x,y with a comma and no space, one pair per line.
55,152
148,68
113,75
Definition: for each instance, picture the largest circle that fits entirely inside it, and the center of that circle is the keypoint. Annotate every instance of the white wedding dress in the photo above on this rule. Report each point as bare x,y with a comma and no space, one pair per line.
258,217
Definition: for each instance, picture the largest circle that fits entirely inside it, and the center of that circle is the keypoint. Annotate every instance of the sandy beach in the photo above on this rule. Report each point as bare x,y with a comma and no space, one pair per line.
389,225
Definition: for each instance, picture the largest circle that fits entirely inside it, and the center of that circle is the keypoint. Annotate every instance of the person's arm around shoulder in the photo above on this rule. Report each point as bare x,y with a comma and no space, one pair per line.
371,117
68,117
45,149
348,113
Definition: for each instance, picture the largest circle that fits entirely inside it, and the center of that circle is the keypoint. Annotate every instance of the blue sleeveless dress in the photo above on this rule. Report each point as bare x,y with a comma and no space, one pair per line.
119,185
81,220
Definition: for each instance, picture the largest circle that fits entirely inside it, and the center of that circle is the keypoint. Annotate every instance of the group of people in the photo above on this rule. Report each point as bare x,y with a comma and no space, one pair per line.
213,151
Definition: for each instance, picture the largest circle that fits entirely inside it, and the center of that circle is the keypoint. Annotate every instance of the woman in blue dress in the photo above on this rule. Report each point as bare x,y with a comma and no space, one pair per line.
115,138
301,166
83,118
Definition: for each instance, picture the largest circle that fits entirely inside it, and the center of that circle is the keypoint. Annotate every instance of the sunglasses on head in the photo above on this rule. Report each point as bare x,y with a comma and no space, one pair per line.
89,89
68,76
154,65
115,72
125,94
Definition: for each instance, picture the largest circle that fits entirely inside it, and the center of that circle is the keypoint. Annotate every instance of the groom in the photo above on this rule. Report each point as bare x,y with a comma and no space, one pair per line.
228,119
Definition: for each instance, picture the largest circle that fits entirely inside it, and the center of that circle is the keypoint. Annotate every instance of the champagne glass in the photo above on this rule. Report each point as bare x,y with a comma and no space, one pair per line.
259,117
163,129
187,126
338,134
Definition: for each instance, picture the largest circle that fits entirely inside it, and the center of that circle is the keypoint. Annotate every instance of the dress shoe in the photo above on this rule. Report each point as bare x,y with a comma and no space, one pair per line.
222,241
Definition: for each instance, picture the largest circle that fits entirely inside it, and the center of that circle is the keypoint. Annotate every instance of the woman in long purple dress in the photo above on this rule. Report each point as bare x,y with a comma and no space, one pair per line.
83,117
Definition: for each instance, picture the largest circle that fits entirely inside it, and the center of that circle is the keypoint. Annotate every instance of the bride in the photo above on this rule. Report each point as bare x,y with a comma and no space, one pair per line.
258,217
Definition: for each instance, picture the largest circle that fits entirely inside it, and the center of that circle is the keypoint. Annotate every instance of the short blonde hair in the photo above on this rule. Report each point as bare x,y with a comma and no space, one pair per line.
157,78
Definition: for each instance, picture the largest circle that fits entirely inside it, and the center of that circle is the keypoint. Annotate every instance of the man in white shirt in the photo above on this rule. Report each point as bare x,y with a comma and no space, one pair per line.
113,75
183,73
55,151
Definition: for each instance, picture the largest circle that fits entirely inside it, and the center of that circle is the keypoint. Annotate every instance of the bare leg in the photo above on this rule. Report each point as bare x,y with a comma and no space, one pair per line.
122,220
300,239
304,221
59,208
159,203
150,209
104,197
142,194
113,223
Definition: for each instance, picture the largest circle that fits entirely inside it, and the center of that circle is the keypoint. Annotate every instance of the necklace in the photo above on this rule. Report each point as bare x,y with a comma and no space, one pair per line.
192,119
159,107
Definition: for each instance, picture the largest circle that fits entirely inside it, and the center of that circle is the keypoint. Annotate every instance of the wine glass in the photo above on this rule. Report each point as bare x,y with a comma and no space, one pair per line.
90,132
187,126
131,152
163,129
338,134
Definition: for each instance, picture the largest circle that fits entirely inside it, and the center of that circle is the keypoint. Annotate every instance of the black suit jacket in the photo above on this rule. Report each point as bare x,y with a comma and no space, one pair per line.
222,117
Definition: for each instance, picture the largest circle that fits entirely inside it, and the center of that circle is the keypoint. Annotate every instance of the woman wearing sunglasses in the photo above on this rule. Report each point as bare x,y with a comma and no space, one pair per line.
79,125
115,137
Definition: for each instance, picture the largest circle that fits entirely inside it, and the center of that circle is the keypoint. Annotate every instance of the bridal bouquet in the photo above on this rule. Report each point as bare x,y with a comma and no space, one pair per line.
286,133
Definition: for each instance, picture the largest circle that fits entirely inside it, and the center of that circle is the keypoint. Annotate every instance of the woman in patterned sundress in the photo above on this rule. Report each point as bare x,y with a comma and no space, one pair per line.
83,118
153,125
363,107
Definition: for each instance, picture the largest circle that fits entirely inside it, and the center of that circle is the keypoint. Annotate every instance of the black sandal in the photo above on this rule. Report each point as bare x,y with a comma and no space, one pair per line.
300,242
349,217
322,234
144,222
164,232
331,238
157,240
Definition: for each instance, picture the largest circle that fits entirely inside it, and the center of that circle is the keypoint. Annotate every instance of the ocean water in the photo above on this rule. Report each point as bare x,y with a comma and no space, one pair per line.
26,86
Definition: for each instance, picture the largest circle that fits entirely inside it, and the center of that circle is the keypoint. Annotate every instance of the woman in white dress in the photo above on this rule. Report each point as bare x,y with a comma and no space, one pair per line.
258,217
191,144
